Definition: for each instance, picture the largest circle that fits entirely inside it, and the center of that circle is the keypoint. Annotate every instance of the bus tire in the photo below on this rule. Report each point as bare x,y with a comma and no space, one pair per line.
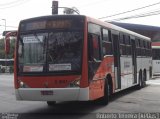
144,79
51,103
105,99
150,72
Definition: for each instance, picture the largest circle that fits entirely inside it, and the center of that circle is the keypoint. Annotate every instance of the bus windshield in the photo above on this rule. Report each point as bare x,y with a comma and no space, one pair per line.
32,51
156,54
57,51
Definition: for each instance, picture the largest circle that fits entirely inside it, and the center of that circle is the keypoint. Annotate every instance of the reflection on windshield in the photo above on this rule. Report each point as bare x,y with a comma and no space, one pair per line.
64,51
32,52
156,54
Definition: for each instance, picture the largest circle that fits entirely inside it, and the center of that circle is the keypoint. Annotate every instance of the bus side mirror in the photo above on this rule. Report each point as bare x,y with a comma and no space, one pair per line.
7,45
7,40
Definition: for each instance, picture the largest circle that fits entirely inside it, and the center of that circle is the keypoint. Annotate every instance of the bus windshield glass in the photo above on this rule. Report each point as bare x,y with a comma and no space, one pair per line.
64,51
50,51
156,54
32,52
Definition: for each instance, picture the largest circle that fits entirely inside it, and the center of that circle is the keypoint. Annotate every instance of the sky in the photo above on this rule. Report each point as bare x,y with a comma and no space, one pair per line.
12,11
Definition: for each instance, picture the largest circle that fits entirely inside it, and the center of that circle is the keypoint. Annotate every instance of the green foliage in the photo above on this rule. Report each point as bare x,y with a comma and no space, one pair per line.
12,46
2,53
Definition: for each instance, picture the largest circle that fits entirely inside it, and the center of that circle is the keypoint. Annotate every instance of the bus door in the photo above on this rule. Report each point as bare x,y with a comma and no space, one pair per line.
116,52
134,63
94,74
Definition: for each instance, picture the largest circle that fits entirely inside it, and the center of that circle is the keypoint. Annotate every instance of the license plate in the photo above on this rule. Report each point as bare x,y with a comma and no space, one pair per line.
47,92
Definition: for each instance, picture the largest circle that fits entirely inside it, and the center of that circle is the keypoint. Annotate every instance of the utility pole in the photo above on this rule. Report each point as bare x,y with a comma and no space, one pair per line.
67,10
54,7
5,43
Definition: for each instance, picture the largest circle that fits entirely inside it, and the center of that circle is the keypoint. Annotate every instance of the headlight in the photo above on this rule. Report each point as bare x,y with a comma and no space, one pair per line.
75,83
23,85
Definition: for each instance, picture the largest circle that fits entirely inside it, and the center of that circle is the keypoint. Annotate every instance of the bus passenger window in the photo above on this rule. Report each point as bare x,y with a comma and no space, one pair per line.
93,47
105,35
122,44
106,43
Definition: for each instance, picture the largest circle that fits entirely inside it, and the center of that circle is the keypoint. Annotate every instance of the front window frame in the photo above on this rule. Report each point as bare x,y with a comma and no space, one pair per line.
154,54
47,72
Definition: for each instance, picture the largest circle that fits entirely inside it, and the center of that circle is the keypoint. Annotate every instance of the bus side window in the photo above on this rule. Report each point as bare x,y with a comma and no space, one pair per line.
106,42
138,47
93,47
122,44
128,45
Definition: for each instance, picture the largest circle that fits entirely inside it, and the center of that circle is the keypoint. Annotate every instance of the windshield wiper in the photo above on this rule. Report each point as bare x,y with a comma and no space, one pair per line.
41,42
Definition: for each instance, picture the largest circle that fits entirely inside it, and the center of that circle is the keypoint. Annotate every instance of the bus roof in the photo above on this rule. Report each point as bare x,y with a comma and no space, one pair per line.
114,27
146,30
96,21
51,17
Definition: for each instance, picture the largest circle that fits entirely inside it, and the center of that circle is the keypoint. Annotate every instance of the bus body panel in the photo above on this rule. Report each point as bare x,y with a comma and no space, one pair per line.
52,94
156,58
96,85
84,81
127,78
144,64
156,67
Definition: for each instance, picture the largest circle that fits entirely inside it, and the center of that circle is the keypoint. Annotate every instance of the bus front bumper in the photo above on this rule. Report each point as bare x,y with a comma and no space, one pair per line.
52,94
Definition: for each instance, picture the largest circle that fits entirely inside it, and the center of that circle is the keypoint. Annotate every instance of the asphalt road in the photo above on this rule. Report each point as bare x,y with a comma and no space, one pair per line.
145,100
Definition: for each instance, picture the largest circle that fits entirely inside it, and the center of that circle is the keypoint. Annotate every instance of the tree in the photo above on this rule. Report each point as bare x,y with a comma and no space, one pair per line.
2,53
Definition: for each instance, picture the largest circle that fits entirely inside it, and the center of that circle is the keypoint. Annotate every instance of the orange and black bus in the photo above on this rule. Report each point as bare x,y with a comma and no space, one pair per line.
77,58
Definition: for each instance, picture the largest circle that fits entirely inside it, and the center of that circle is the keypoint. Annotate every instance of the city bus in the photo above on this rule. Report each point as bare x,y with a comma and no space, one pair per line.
6,62
156,58
77,58
6,65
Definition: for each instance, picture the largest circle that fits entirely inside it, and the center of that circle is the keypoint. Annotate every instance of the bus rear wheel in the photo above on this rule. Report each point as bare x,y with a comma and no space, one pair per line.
142,78
51,103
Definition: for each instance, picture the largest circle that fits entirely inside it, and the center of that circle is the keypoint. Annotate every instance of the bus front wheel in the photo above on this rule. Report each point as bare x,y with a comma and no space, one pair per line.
105,99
